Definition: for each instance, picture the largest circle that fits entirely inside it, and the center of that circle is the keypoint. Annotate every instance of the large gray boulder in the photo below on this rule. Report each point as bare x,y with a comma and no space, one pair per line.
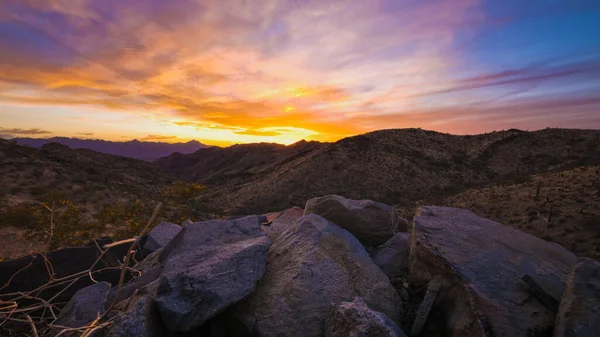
209,266
84,306
310,267
392,258
161,235
481,264
373,223
579,311
138,316
356,319
282,221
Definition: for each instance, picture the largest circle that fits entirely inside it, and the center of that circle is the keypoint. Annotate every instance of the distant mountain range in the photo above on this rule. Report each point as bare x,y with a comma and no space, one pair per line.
148,151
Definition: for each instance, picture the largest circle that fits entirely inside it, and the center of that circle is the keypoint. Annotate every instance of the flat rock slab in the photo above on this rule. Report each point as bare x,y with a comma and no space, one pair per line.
85,306
482,264
209,266
579,312
161,235
372,223
310,267
356,319
433,289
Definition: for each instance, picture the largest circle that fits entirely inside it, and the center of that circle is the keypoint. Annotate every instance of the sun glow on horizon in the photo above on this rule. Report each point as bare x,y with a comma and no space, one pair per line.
287,71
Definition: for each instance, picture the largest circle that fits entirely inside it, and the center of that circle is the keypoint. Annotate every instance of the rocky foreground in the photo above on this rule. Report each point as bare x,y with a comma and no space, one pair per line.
337,268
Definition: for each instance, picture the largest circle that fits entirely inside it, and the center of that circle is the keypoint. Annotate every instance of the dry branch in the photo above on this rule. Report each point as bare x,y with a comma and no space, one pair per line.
10,307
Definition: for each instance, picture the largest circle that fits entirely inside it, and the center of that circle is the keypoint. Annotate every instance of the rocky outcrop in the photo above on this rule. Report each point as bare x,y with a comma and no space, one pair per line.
282,221
392,258
138,316
84,306
579,311
356,319
372,223
310,267
161,235
209,266
481,264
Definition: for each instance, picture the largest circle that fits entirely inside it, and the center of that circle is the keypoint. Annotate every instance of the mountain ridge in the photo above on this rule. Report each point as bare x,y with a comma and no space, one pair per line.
135,148
395,166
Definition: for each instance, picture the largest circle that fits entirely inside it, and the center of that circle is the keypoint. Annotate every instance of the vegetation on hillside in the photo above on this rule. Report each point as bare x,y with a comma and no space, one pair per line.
59,197
391,166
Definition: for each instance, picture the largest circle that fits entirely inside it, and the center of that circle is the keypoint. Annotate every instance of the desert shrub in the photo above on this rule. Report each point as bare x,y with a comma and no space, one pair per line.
15,190
20,216
37,190
57,221
180,198
182,192
591,223
128,217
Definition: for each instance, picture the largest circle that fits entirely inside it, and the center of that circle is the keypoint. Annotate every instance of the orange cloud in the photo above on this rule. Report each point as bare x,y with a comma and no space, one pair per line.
317,69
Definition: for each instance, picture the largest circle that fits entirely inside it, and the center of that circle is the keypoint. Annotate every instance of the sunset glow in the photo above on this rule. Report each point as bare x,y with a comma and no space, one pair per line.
242,71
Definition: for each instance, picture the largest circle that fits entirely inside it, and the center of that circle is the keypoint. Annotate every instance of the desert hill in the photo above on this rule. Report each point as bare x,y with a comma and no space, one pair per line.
398,166
86,190
81,174
239,163
143,150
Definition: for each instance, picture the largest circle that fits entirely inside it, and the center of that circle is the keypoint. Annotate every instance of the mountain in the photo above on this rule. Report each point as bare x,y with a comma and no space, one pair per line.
234,164
396,166
82,175
76,194
132,149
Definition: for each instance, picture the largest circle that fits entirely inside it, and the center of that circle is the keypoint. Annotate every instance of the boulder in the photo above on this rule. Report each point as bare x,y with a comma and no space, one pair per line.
209,266
356,319
150,262
579,311
372,223
481,264
392,258
138,316
310,267
161,235
85,306
282,221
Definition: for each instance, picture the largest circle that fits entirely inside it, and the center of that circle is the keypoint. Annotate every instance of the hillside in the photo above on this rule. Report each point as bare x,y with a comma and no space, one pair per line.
132,149
235,164
81,174
397,166
80,185
563,207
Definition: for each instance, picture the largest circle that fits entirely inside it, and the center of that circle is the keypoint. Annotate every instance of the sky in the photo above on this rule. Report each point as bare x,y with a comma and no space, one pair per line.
240,71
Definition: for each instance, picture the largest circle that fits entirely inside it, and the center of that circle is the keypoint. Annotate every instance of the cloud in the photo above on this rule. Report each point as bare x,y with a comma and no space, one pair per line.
85,133
23,132
284,69
157,138
258,133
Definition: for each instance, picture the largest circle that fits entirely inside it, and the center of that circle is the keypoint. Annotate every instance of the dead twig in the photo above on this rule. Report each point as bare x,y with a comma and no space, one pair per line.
10,307
33,328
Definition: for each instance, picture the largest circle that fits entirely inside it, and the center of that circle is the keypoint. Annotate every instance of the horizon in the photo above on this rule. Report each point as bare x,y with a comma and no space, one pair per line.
227,144
285,71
